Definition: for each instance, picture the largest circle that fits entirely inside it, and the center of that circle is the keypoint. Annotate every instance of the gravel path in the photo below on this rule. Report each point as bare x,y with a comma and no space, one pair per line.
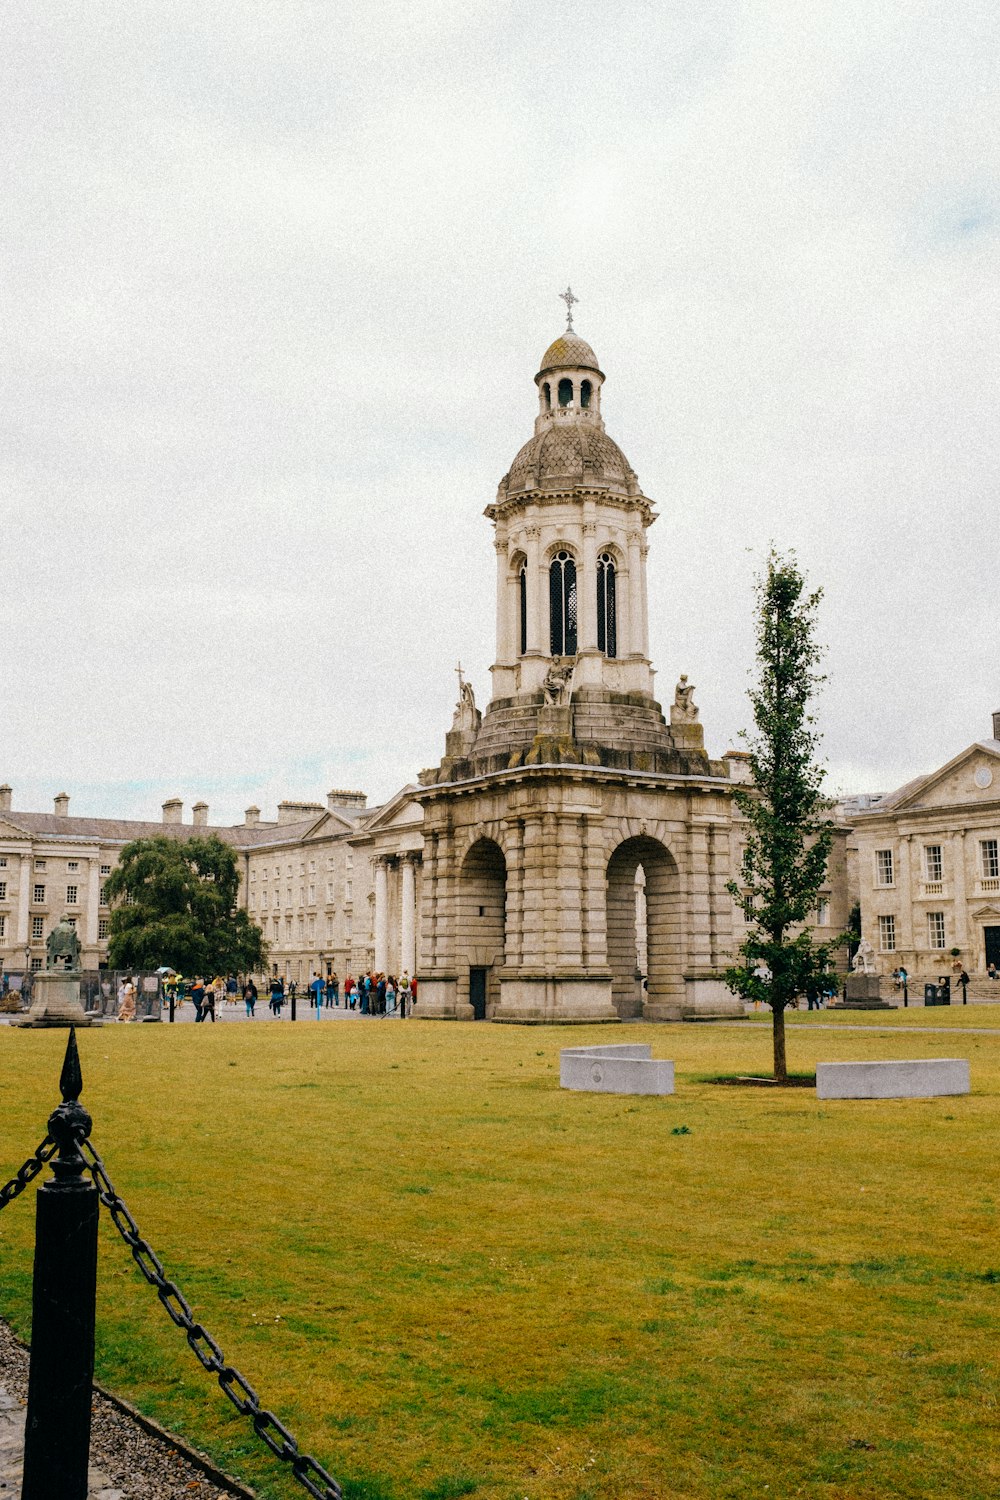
127,1462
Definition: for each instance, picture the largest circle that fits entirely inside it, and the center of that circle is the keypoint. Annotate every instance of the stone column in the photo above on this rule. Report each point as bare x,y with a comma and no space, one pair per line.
23,906
93,904
634,595
543,632
586,590
381,914
961,937
905,937
407,901
504,653
643,599
533,580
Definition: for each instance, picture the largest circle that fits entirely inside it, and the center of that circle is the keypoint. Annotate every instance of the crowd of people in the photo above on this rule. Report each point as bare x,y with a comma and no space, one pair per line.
371,994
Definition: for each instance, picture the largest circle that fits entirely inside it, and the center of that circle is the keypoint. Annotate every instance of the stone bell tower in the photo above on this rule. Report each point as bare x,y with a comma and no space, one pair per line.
570,795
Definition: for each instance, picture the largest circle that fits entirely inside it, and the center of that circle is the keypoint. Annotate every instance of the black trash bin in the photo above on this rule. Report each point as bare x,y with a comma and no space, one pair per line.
931,994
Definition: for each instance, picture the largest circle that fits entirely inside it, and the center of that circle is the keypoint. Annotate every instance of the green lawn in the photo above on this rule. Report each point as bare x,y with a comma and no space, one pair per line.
450,1278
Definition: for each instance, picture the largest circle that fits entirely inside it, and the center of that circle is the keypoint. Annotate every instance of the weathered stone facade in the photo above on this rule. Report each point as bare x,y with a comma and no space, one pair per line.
928,868
542,812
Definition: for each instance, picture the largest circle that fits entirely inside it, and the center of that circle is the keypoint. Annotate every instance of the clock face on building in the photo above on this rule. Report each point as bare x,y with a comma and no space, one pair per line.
983,777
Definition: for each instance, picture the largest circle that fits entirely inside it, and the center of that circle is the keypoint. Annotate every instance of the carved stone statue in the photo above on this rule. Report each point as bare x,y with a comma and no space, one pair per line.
62,947
684,709
467,715
558,682
864,960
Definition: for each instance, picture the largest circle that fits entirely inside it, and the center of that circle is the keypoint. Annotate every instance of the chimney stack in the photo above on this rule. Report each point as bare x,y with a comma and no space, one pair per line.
6,793
996,736
172,810
199,815
252,816
62,805
297,812
340,798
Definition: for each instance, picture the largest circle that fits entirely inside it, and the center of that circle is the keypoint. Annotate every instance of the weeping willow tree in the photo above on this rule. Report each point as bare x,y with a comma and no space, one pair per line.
788,836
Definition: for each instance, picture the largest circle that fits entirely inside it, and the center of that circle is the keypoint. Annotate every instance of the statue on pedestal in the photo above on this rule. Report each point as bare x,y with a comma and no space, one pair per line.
467,716
557,684
62,947
864,960
684,710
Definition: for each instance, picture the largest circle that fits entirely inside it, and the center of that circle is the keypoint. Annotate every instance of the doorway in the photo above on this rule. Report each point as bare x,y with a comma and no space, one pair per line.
477,993
992,938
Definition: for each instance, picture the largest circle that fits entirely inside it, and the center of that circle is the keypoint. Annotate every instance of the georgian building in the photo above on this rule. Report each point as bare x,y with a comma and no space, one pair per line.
928,868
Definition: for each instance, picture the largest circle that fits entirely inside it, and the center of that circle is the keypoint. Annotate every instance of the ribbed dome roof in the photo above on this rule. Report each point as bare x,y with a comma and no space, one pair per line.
570,454
568,349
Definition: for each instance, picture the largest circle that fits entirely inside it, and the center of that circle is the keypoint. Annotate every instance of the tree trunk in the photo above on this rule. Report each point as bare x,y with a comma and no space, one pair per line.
780,1065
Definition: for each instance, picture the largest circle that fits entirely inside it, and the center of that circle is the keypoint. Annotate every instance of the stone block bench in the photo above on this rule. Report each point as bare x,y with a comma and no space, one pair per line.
628,1068
924,1078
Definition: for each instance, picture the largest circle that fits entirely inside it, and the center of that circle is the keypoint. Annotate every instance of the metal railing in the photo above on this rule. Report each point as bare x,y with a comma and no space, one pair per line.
64,1294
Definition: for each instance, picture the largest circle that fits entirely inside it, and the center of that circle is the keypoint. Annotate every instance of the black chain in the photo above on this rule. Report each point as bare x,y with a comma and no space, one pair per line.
236,1387
36,1161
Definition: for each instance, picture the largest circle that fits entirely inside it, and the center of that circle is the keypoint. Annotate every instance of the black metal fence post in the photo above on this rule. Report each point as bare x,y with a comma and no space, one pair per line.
61,1376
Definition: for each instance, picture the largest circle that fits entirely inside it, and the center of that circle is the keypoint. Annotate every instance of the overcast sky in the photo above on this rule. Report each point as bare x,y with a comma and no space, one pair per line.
275,283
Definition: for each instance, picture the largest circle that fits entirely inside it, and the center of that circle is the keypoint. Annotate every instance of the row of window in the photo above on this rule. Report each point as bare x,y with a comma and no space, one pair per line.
72,865
933,863
38,928
276,901
38,894
330,865
563,613
935,932
298,928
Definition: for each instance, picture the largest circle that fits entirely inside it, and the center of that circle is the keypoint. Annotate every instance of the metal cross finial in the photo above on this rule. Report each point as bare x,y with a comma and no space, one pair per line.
461,679
569,299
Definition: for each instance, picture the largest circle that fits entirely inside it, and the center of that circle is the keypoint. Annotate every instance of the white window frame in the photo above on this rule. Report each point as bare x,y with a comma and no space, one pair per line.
933,863
38,895
72,895
73,865
37,929
823,912
885,866
989,858
103,928
936,931
887,933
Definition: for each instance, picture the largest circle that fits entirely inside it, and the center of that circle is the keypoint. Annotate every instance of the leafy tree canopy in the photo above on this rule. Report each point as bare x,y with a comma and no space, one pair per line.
788,840
175,902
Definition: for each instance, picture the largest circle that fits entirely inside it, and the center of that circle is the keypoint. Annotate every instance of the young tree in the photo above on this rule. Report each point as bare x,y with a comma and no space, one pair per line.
788,842
175,902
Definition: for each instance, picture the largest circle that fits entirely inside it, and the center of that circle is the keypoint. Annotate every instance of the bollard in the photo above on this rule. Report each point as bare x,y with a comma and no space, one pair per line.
171,997
906,996
293,1005
61,1374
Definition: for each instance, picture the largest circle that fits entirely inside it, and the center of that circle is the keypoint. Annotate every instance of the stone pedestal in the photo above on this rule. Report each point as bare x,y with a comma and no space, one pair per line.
864,992
55,1000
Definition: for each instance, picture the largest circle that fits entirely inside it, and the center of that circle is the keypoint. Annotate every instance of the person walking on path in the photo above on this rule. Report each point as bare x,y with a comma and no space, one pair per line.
232,990
209,1003
198,996
316,985
126,1010
349,993
277,996
332,991
250,996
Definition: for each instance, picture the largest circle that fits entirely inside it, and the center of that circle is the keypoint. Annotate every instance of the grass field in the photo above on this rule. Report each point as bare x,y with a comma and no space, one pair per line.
449,1278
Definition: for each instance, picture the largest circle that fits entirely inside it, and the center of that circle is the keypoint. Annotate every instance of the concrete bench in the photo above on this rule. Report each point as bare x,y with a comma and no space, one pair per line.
628,1068
923,1078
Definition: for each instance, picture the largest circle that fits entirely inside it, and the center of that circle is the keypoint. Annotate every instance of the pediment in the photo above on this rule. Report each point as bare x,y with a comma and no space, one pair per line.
329,826
982,912
401,811
973,776
10,832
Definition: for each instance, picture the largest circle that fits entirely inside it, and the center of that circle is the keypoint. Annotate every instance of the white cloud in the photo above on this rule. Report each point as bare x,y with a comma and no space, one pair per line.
275,286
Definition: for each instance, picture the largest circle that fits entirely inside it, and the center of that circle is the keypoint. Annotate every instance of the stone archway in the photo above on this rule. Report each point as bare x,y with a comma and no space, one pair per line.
644,920
481,919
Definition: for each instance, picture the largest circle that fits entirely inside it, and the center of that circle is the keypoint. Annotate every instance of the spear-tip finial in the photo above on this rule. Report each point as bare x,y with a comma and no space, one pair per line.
71,1078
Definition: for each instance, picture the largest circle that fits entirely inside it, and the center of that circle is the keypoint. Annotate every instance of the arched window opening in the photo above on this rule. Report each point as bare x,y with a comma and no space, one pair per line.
607,630
522,591
585,391
565,391
562,605
547,392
